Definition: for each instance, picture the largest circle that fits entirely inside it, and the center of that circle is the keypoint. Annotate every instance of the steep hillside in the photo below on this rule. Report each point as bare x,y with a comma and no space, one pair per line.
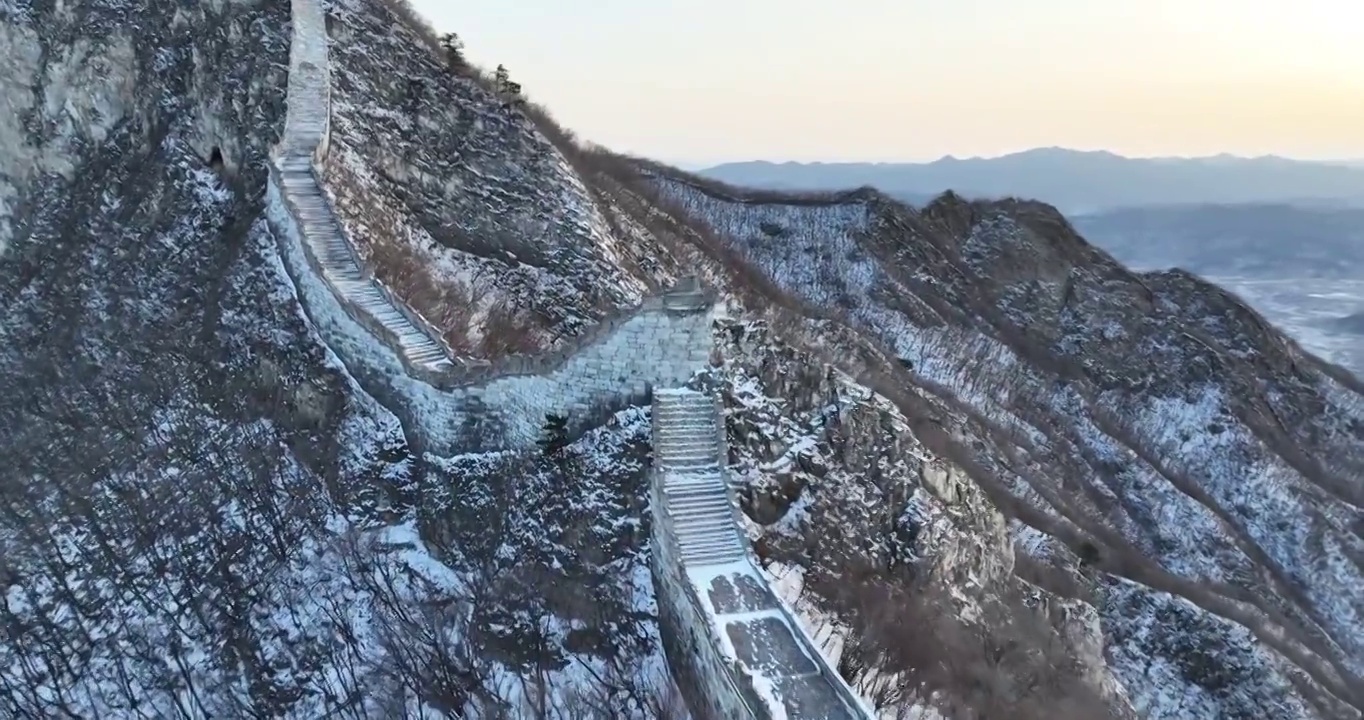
478,220
174,434
998,472
1146,428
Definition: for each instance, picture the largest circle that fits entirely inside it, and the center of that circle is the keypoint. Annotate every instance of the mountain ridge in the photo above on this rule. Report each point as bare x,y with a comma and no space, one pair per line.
1015,477
1277,240
1075,180
951,211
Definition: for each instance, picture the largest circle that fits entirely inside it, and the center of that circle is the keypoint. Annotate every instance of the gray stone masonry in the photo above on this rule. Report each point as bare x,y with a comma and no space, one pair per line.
761,660
306,128
735,648
332,256
662,342
697,498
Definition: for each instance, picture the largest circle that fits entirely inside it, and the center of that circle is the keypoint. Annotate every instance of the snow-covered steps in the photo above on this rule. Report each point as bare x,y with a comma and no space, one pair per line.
339,266
305,136
760,640
688,458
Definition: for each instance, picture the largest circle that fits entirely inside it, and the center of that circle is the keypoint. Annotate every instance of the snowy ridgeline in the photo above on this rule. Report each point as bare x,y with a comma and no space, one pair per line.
1175,510
735,648
664,342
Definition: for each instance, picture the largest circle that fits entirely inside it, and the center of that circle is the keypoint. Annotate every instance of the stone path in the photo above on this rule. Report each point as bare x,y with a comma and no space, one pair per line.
753,628
305,129
687,452
750,625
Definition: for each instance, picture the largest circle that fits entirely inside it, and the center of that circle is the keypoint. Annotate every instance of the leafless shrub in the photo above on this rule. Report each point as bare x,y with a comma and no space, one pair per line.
153,505
621,178
561,137
507,330
1010,663
1051,578
426,642
445,303
409,17
451,305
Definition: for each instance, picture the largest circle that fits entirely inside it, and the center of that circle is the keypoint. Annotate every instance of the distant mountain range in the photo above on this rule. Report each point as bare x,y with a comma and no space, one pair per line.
1077,181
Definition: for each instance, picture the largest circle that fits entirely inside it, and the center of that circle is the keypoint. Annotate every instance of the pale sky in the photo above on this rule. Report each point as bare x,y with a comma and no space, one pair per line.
704,81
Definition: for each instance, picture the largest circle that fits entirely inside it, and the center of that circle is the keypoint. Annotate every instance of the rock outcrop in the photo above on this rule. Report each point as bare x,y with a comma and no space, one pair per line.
1151,427
763,665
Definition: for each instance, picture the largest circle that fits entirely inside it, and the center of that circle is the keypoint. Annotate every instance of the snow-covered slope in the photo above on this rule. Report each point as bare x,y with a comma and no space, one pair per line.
201,512
1152,423
1124,492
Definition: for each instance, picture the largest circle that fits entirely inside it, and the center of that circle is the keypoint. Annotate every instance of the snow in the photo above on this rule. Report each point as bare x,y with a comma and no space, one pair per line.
1256,499
495,210
1139,647
1183,482
435,411
768,692
701,578
499,212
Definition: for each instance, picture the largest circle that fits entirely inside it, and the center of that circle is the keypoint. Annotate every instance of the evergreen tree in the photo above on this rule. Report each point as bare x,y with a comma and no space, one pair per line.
454,51
508,90
554,436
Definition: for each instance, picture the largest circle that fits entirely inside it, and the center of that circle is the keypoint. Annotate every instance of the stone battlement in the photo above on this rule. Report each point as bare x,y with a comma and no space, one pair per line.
333,257
661,342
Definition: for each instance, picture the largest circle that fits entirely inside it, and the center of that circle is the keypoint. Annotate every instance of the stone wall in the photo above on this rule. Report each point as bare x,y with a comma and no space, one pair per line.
449,406
463,405
655,347
735,648
702,673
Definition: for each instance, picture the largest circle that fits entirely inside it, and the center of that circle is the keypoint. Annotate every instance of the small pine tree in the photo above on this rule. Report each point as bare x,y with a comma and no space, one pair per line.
554,436
454,51
508,90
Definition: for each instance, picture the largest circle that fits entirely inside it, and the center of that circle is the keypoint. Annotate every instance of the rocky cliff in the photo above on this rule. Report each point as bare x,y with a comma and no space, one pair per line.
961,430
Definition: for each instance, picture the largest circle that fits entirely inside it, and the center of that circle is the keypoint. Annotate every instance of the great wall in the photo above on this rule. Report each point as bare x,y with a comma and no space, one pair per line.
735,650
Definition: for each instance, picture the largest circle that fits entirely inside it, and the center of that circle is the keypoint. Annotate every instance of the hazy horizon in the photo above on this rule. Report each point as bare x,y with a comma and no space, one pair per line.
705,81
778,161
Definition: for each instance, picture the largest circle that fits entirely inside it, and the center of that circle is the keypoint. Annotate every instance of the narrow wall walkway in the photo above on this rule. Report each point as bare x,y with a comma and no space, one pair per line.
762,651
306,128
451,404
758,662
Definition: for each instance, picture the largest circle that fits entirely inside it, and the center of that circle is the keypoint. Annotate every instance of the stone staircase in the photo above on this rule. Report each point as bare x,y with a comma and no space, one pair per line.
707,561
763,665
689,456
305,138
342,271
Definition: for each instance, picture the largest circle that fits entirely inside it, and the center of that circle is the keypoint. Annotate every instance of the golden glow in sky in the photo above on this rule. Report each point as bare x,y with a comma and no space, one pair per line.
712,80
